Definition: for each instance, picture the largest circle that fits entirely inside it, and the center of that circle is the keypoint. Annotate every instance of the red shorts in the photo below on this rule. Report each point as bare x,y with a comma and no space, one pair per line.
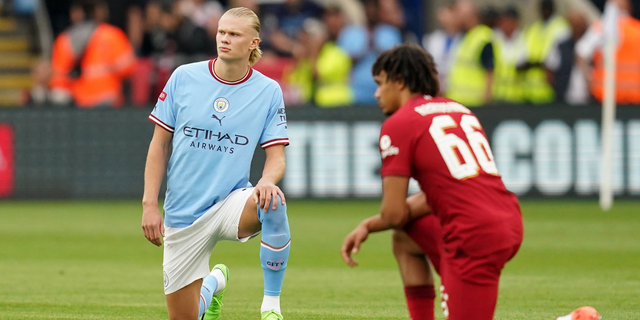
469,284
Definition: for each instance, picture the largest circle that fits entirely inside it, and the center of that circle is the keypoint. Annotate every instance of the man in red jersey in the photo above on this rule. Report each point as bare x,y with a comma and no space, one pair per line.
464,220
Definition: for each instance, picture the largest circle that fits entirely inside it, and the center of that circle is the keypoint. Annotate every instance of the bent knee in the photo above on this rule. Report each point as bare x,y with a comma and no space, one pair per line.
282,207
280,210
274,218
400,237
277,200
403,244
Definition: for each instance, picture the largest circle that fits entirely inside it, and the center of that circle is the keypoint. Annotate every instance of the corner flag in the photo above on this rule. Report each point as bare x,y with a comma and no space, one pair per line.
610,23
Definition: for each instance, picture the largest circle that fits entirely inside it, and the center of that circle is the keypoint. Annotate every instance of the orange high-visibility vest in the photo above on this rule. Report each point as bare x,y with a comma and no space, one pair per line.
108,58
627,64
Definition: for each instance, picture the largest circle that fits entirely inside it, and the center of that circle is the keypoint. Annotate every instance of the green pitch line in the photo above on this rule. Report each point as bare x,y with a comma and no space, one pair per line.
89,260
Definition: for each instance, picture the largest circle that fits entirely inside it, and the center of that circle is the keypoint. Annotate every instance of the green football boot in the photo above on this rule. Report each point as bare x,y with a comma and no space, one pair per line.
271,315
215,308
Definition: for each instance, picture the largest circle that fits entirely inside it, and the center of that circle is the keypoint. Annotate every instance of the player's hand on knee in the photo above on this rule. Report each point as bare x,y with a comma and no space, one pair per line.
352,242
266,194
153,225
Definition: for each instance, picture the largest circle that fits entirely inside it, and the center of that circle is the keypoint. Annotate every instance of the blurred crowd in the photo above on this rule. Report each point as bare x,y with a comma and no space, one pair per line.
485,56
321,52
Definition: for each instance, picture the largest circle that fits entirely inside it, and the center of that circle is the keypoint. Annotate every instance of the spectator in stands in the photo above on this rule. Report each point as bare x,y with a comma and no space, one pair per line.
154,38
128,15
249,4
102,12
40,93
322,70
490,16
135,22
76,13
299,78
333,65
363,44
156,55
41,75
589,49
170,39
90,60
353,11
184,37
284,21
441,43
569,83
471,74
204,13
390,12
508,83
149,40
541,37
635,5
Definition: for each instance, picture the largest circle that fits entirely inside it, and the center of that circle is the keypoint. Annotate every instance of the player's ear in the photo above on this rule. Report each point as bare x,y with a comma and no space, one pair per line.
402,84
255,42
399,82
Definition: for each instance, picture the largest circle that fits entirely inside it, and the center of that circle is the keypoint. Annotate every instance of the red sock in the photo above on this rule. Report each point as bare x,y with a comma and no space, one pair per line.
420,302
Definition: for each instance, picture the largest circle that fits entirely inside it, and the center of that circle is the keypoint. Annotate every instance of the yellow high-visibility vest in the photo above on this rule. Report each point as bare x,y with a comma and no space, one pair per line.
467,77
509,84
540,38
333,67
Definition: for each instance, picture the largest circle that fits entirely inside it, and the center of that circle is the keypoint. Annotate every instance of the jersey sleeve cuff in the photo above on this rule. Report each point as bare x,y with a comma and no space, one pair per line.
161,124
274,142
395,172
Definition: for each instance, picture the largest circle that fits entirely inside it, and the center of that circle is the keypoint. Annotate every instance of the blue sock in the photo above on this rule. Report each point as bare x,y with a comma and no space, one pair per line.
209,287
274,248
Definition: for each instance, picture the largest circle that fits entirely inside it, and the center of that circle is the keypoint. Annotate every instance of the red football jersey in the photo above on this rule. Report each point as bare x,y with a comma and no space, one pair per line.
441,144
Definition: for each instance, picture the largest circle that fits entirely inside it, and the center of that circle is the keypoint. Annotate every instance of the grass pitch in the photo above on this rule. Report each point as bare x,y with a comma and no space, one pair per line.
89,260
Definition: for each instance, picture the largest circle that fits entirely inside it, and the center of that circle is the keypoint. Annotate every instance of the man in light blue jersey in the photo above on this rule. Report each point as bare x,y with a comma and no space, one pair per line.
209,119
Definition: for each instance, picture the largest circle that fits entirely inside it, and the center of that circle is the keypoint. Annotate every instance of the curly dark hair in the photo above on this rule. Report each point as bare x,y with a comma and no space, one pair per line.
410,64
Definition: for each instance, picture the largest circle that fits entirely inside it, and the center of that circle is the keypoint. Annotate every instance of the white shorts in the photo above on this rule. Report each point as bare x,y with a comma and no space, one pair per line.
187,250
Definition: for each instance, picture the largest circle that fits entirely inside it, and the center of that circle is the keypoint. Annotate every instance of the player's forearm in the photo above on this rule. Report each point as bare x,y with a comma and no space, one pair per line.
418,206
154,172
376,224
383,222
415,207
396,217
274,166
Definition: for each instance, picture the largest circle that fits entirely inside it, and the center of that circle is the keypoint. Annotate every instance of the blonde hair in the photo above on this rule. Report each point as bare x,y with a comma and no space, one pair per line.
242,12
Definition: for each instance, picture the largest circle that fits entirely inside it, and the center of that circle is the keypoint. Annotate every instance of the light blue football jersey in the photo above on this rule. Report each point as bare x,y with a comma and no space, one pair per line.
216,125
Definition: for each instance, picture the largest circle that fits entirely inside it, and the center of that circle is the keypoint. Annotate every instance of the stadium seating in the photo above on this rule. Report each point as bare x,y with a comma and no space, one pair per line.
15,65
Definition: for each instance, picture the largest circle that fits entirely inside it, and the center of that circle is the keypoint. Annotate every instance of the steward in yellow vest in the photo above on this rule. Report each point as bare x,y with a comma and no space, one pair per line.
471,72
540,38
322,70
333,67
508,82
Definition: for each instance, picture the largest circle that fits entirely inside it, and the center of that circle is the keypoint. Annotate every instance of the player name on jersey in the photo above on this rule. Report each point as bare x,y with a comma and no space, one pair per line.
440,107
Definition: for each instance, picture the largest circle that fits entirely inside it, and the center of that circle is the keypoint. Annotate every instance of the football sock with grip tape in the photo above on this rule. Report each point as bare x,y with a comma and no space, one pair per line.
274,253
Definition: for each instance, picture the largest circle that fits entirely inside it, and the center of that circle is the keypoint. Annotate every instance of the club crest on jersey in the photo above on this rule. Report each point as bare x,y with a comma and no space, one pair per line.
386,149
221,105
